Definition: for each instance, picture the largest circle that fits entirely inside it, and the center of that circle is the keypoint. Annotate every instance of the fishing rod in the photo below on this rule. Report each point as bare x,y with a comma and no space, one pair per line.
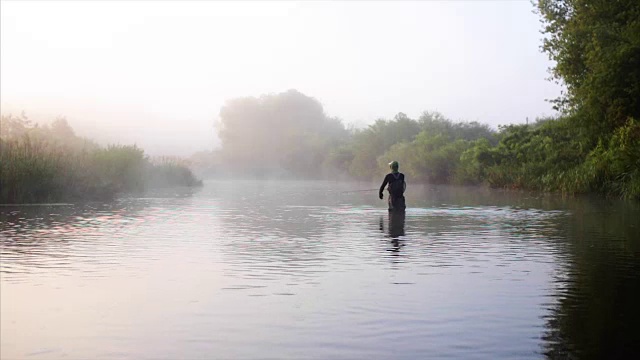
356,191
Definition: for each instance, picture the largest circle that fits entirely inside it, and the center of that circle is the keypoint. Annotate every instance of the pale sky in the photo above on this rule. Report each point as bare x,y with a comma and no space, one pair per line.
157,72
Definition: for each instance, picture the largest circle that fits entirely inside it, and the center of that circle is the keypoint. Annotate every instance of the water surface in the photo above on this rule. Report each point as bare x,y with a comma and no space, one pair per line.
321,270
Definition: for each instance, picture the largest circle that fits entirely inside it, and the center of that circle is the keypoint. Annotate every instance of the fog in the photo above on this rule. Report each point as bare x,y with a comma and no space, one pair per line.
157,73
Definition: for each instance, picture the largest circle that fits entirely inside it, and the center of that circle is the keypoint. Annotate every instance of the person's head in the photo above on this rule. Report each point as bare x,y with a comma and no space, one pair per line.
394,166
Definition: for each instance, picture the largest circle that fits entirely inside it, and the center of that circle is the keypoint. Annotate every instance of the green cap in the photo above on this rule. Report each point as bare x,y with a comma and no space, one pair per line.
394,165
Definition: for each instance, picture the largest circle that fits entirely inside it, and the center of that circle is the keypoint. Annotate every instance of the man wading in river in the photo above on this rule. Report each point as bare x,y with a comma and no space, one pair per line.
396,188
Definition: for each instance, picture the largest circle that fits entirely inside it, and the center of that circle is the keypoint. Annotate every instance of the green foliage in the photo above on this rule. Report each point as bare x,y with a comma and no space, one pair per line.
612,167
339,159
429,148
596,47
429,158
289,132
474,161
46,164
281,133
436,123
372,142
170,172
526,154
120,168
551,156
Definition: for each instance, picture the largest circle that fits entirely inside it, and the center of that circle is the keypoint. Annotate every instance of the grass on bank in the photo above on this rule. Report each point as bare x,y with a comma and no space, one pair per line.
39,164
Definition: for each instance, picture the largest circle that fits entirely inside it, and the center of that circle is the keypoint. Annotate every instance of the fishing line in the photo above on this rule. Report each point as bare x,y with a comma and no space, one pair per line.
356,191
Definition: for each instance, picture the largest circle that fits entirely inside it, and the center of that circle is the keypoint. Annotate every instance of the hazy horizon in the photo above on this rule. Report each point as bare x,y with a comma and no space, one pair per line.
157,73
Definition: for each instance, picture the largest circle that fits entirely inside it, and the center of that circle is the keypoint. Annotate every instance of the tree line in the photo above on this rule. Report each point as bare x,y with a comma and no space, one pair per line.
548,155
592,146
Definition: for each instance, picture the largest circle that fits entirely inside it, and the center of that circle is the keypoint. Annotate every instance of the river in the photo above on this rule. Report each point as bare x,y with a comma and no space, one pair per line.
321,270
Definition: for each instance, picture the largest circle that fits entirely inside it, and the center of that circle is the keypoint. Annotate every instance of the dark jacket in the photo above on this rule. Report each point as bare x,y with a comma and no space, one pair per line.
389,179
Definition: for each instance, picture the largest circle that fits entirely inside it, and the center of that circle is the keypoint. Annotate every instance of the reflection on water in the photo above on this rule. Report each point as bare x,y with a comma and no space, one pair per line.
595,312
395,226
316,270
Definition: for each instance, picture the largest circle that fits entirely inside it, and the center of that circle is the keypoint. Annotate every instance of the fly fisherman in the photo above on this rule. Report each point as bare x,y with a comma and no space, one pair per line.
396,188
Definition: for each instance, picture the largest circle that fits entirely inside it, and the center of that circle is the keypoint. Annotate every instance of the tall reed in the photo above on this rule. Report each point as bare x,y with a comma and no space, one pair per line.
35,169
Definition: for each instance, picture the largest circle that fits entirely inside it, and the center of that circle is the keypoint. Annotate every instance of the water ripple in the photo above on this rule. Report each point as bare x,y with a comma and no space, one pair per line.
239,271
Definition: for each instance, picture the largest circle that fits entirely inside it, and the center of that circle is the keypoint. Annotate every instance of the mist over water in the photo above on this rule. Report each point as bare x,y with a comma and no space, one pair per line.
157,73
287,269
113,113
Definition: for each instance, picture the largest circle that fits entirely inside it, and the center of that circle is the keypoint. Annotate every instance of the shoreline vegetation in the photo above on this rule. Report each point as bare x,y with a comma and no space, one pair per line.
548,155
50,163
592,146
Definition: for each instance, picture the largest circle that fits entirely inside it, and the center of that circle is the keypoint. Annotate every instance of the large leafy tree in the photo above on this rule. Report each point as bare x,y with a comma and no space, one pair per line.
287,131
596,47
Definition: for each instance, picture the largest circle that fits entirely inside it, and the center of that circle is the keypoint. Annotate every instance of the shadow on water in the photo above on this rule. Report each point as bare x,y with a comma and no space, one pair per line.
596,311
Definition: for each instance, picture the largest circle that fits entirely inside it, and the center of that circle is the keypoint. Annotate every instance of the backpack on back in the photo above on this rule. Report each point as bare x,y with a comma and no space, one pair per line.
397,186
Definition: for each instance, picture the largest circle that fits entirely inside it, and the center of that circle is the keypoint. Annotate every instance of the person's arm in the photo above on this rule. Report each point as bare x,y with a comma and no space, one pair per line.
384,183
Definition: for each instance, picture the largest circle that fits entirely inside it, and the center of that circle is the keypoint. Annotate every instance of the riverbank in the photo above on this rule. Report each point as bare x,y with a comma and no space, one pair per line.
51,164
552,155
